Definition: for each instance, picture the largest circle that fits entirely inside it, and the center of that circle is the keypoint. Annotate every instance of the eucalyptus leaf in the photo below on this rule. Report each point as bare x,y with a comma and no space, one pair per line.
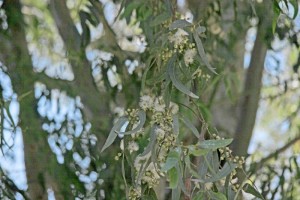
172,160
202,52
214,144
181,23
151,143
114,132
191,126
296,7
142,118
175,124
195,151
217,195
226,170
160,19
200,29
177,83
173,176
251,190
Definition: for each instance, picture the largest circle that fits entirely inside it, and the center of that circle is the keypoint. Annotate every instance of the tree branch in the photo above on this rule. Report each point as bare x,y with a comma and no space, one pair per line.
258,165
251,95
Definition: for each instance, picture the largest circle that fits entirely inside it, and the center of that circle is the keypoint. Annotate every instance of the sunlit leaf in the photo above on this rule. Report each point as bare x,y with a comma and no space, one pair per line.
251,190
142,118
296,7
114,132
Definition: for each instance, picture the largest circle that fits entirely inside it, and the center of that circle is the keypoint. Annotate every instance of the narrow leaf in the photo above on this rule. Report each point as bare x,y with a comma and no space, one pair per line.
142,118
172,160
160,19
176,83
181,23
251,190
113,133
151,142
202,52
296,7
225,171
191,126
214,144
173,177
217,195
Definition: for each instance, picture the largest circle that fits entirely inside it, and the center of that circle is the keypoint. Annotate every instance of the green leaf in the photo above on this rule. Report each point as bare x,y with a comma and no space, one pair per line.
225,171
181,23
195,151
113,133
202,52
199,196
296,7
175,124
142,118
151,142
172,160
176,83
191,126
200,29
214,144
276,10
251,190
160,19
173,177
217,195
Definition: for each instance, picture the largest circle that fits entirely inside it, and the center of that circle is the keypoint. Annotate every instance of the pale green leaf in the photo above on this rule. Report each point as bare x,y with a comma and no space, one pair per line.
217,195
172,160
296,7
160,19
225,171
114,132
190,125
142,118
202,52
173,177
151,143
214,144
181,23
177,83
251,190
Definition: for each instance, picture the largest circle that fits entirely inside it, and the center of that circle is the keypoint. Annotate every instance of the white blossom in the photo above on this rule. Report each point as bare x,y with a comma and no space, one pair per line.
132,146
174,108
146,102
159,105
160,133
179,37
189,56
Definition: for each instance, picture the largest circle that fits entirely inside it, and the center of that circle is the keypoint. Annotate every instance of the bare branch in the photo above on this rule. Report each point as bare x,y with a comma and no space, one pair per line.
258,165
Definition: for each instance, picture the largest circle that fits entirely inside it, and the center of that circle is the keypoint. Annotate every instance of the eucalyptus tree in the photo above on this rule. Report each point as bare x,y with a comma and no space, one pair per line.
135,100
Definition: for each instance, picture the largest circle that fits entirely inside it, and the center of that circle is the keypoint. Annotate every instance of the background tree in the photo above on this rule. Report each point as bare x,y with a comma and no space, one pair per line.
76,66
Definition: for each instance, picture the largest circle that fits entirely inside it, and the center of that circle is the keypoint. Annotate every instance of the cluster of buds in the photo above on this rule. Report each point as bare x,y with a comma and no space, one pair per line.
135,193
166,54
152,176
198,73
132,115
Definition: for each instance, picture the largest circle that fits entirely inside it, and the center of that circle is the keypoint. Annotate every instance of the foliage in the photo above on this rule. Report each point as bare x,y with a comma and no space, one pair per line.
158,80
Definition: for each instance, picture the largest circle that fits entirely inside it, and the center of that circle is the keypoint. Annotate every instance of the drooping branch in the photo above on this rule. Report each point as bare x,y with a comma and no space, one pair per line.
258,165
